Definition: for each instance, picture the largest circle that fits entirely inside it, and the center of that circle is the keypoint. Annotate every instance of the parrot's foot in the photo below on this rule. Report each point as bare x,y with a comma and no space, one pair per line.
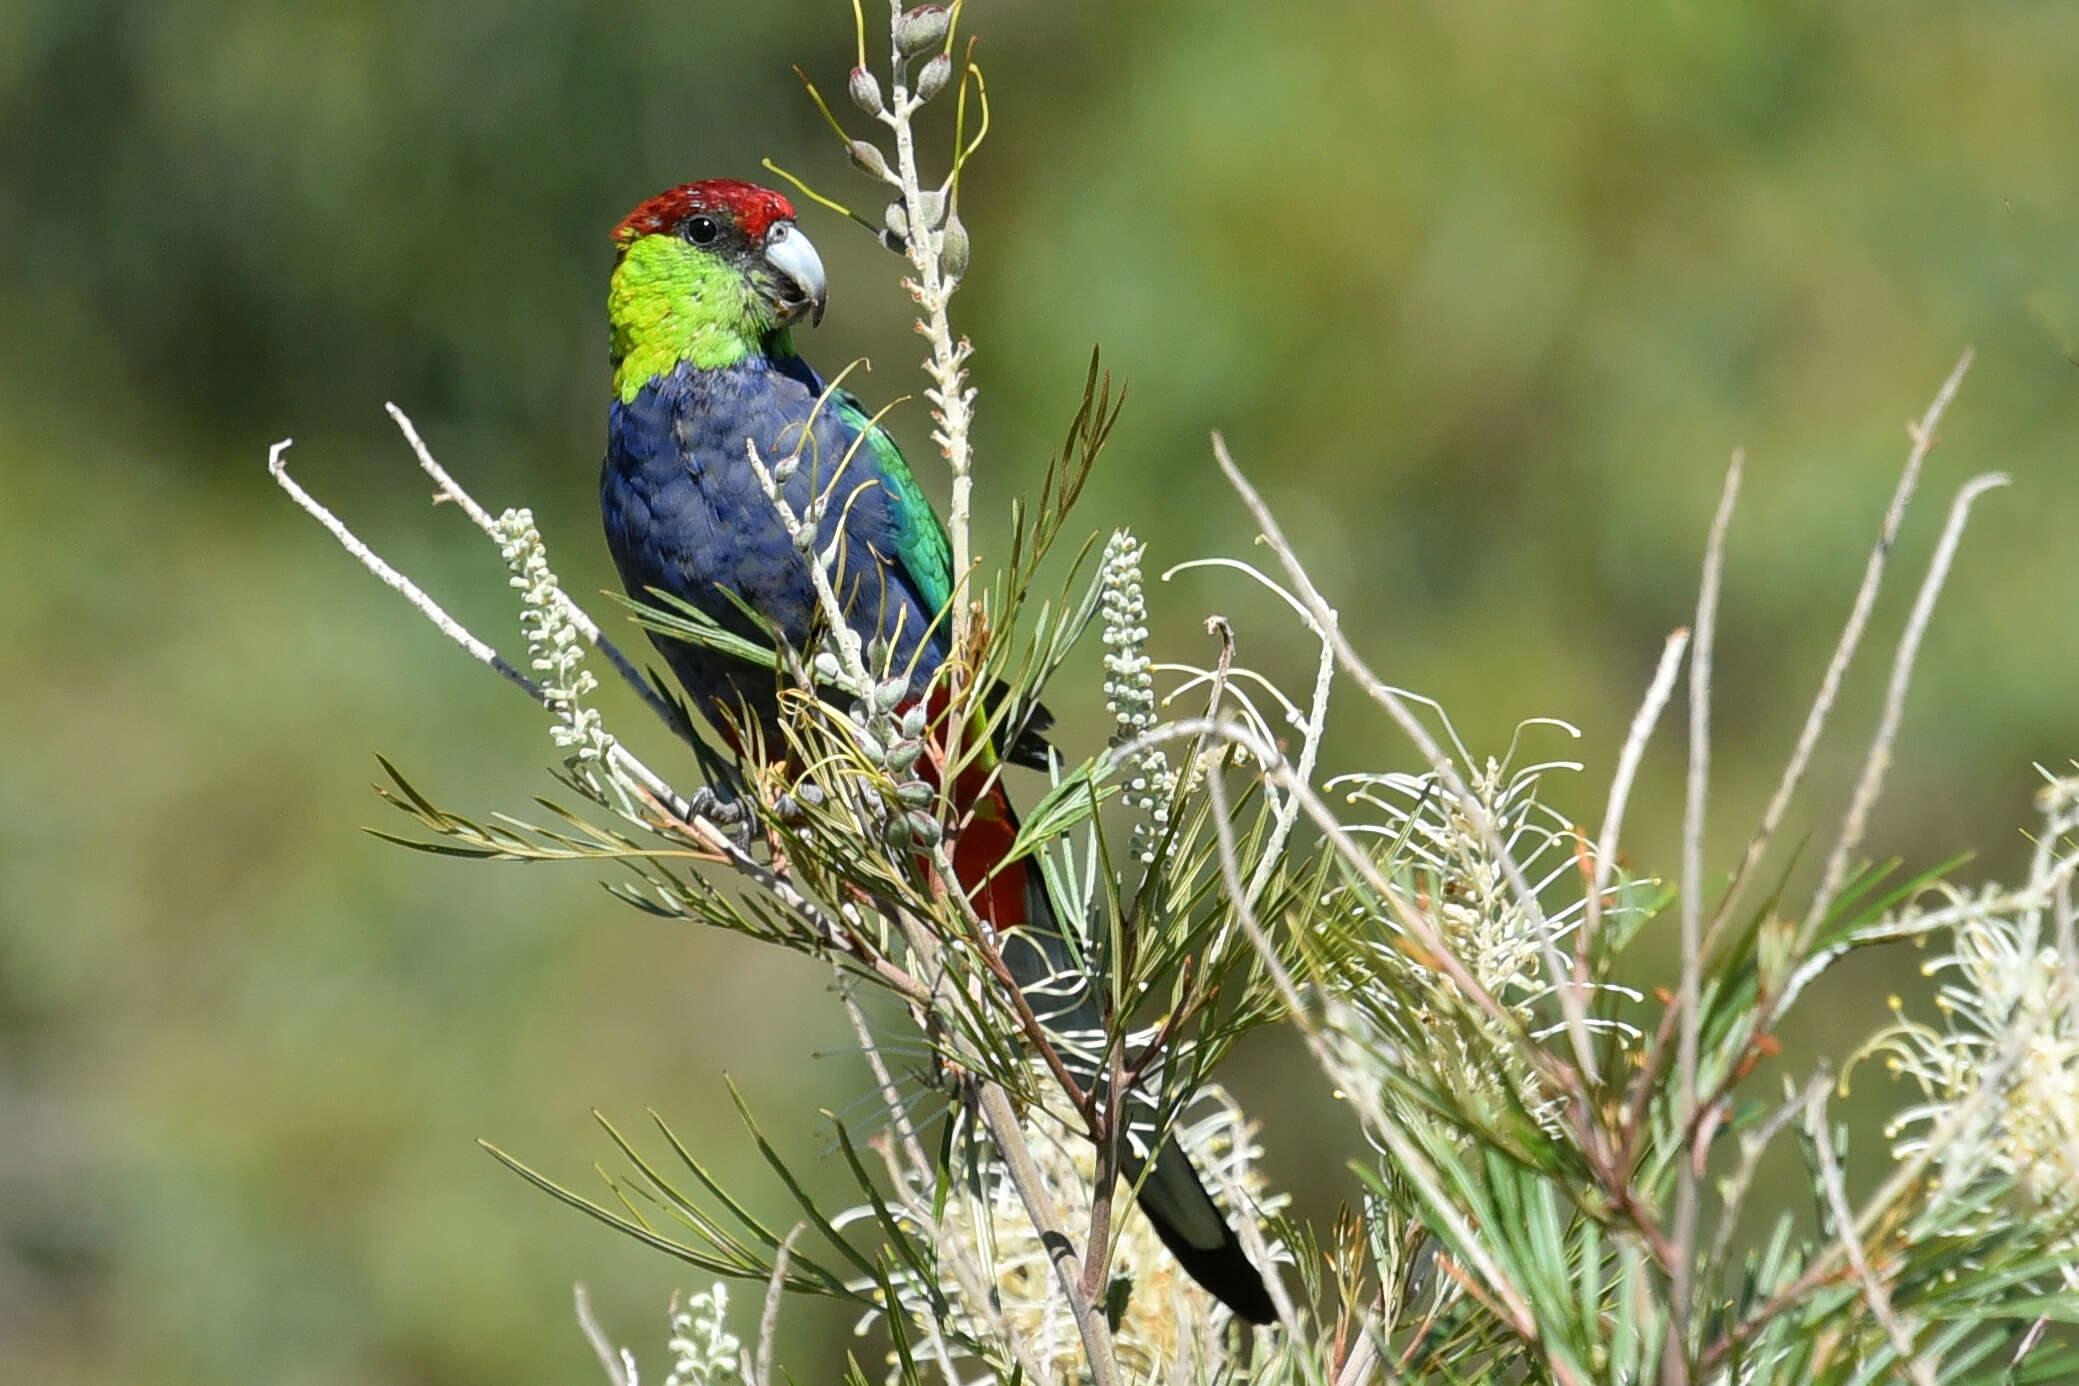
731,815
792,809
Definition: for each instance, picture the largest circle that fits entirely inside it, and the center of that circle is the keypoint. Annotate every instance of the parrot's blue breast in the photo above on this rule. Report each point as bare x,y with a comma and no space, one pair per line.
685,514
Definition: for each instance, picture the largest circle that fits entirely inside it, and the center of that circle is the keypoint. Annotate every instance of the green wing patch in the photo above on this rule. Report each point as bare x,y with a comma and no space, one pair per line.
920,538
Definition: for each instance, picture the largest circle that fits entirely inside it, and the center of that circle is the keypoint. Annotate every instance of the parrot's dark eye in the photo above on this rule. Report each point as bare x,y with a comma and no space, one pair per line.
702,230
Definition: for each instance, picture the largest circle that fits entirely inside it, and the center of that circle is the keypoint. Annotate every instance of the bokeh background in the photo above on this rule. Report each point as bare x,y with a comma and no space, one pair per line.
1483,294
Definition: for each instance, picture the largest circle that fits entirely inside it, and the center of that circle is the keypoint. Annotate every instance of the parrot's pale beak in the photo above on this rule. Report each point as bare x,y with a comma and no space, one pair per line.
802,287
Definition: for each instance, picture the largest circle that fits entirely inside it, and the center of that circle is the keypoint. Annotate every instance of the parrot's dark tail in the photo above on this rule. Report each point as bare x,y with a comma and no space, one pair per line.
1184,1215
1014,899
1189,1223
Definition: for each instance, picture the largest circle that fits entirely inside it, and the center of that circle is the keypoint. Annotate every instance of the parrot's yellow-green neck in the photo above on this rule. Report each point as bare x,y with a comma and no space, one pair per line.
670,301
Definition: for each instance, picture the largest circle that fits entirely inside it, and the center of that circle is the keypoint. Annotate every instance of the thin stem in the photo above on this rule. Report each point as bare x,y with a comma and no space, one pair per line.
1273,768
1287,816
672,805
1507,1300
1104,1183
1879,760
1642,724
1675,1363
1923,441
1245,911
1009,1138
1571,997
932,288
1873,1291
1754,1144
587,627
921,1171
1905,1178
769,1317
617,1363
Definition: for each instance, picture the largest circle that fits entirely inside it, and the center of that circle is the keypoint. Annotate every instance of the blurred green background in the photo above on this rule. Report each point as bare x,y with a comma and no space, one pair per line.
1483,294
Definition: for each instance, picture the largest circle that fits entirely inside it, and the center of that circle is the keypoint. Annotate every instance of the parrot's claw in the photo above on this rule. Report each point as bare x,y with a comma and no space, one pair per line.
789,808
732,815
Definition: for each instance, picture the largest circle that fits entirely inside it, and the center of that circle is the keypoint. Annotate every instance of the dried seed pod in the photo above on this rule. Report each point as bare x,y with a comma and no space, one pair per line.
921,28
932,78
869,158
866,91
955,249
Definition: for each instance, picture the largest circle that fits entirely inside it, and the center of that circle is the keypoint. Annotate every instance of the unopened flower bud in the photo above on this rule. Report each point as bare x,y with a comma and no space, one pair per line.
903,754
955,249
828,666
890,692
897,219
869,159
896,833
932,77
915,794
871,748
923,827
784,469
866,92
921,28
913,721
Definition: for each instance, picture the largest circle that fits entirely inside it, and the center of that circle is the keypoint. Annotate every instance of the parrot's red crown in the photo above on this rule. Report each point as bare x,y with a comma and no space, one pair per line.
751,207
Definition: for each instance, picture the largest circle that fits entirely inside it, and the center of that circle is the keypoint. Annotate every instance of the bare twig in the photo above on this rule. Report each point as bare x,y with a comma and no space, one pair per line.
669,801
1273,767
980,1293
1508,1299
1873,1291
1879,759
278,468
1754,1144
1245,911
1571,997
769,1317
1311,729
1675,1364
1923,436
927,215
1642,724
617,1363
488,523
1025,1177
1364,1358
1905,1177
